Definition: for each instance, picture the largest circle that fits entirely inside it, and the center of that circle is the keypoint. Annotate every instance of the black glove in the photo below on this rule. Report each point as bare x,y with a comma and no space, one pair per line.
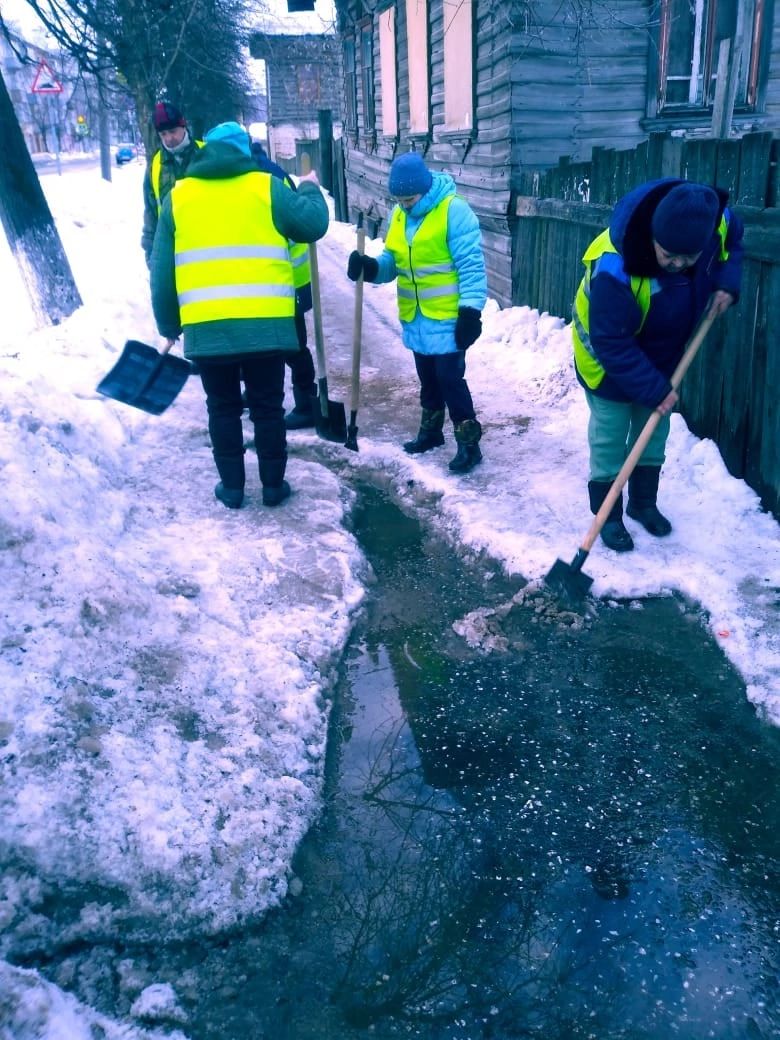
468,327
358,264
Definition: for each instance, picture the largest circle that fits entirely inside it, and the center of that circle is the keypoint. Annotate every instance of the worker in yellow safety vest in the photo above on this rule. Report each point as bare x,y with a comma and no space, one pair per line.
672,252
434,250
221,271
169,163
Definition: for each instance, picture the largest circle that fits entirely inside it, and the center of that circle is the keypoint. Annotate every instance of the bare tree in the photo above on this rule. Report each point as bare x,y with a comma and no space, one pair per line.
29,226
190,51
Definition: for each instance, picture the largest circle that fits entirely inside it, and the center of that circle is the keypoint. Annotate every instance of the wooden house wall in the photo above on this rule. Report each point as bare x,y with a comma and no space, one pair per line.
773,82
480,165
575,88
545,87
613,76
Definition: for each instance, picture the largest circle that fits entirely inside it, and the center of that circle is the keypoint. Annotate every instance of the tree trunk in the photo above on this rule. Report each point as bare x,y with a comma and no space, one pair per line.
29,226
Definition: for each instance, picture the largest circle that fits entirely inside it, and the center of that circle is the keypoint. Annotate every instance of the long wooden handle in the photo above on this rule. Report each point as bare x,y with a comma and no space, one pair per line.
648,430
357,327
317,310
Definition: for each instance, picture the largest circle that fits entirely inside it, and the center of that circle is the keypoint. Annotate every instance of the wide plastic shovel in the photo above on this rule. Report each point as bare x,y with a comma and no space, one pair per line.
567,579
331,418
145,378
357,336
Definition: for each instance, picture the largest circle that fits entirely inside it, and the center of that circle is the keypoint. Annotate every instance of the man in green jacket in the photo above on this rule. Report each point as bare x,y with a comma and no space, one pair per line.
221,272
167,166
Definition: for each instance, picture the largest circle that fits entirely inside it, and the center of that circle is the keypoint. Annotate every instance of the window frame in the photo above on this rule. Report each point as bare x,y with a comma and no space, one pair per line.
417,47
350,85
367,78
388,71
453,126
756,36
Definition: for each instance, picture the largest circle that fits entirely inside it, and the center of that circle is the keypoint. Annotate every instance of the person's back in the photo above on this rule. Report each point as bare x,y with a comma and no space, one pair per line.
304,385
221,271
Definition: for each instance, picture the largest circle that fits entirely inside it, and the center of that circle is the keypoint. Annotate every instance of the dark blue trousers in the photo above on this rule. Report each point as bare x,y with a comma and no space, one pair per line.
263,376
443,382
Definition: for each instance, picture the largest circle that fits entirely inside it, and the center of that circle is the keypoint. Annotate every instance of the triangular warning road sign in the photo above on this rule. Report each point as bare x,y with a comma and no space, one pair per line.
45,81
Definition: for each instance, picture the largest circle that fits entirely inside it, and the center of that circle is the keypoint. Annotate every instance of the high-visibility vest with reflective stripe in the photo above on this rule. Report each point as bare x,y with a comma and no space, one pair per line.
601,255
231,262
299,255
426,273
155,176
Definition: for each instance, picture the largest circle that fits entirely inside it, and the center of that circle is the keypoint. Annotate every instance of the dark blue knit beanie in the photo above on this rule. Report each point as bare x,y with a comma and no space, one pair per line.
409,176
684,219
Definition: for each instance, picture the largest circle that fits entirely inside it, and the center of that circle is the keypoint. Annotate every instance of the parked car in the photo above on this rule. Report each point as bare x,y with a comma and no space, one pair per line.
125,153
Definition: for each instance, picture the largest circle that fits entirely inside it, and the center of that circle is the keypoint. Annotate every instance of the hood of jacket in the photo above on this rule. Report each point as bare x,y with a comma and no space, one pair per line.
442,186
630,225
218,161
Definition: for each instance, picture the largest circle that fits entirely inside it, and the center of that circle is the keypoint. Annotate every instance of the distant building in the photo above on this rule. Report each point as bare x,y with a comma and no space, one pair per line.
303,75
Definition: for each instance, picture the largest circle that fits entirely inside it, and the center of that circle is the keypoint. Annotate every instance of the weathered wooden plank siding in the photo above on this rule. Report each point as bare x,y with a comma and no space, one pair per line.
773,83
480,166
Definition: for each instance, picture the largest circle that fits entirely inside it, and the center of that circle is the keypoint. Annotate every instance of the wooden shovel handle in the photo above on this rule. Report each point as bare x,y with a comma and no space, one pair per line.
316,304
648,430
357,326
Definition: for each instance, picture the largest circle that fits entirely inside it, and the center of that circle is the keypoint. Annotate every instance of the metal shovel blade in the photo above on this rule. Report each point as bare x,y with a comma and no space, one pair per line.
568,581
145,378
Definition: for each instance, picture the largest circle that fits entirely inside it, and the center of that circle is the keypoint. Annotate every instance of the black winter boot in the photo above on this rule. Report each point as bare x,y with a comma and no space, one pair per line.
230,490
613,534
642,495
275,487
304,413
233,498
430,434
467,434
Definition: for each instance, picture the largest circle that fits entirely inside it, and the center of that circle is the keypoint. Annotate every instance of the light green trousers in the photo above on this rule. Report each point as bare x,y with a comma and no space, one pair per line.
613,428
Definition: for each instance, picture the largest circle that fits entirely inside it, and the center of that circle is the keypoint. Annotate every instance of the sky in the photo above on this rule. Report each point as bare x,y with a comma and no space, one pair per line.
166,662
270,15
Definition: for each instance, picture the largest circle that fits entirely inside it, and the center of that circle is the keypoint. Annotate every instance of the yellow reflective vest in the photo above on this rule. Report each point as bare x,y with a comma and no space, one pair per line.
155,175
231,262
427,277
299,255
588,366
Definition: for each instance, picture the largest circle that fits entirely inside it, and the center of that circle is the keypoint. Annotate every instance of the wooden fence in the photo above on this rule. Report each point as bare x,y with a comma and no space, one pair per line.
732,392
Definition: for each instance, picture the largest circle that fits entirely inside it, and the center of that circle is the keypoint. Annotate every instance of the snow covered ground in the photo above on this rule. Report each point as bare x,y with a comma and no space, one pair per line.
166,662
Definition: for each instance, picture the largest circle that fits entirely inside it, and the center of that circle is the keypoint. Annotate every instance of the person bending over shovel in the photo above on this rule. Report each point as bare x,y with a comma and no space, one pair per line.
673,250
221,272
434,249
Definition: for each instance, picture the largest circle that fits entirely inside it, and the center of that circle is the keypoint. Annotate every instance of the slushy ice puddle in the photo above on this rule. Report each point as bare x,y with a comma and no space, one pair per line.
575,838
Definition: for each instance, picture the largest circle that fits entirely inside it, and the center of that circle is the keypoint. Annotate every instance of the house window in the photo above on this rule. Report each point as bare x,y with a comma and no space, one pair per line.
458,65
417,49
350,85
367,75
688,51
388,72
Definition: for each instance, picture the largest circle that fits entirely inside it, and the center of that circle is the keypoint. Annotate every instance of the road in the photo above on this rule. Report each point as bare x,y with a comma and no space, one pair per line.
47,163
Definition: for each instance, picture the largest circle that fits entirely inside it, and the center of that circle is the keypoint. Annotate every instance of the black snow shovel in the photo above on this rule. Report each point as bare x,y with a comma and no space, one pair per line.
331,418
145,378
567,579
357,335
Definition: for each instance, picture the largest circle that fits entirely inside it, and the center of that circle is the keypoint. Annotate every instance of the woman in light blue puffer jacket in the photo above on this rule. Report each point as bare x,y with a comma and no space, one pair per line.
434,249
